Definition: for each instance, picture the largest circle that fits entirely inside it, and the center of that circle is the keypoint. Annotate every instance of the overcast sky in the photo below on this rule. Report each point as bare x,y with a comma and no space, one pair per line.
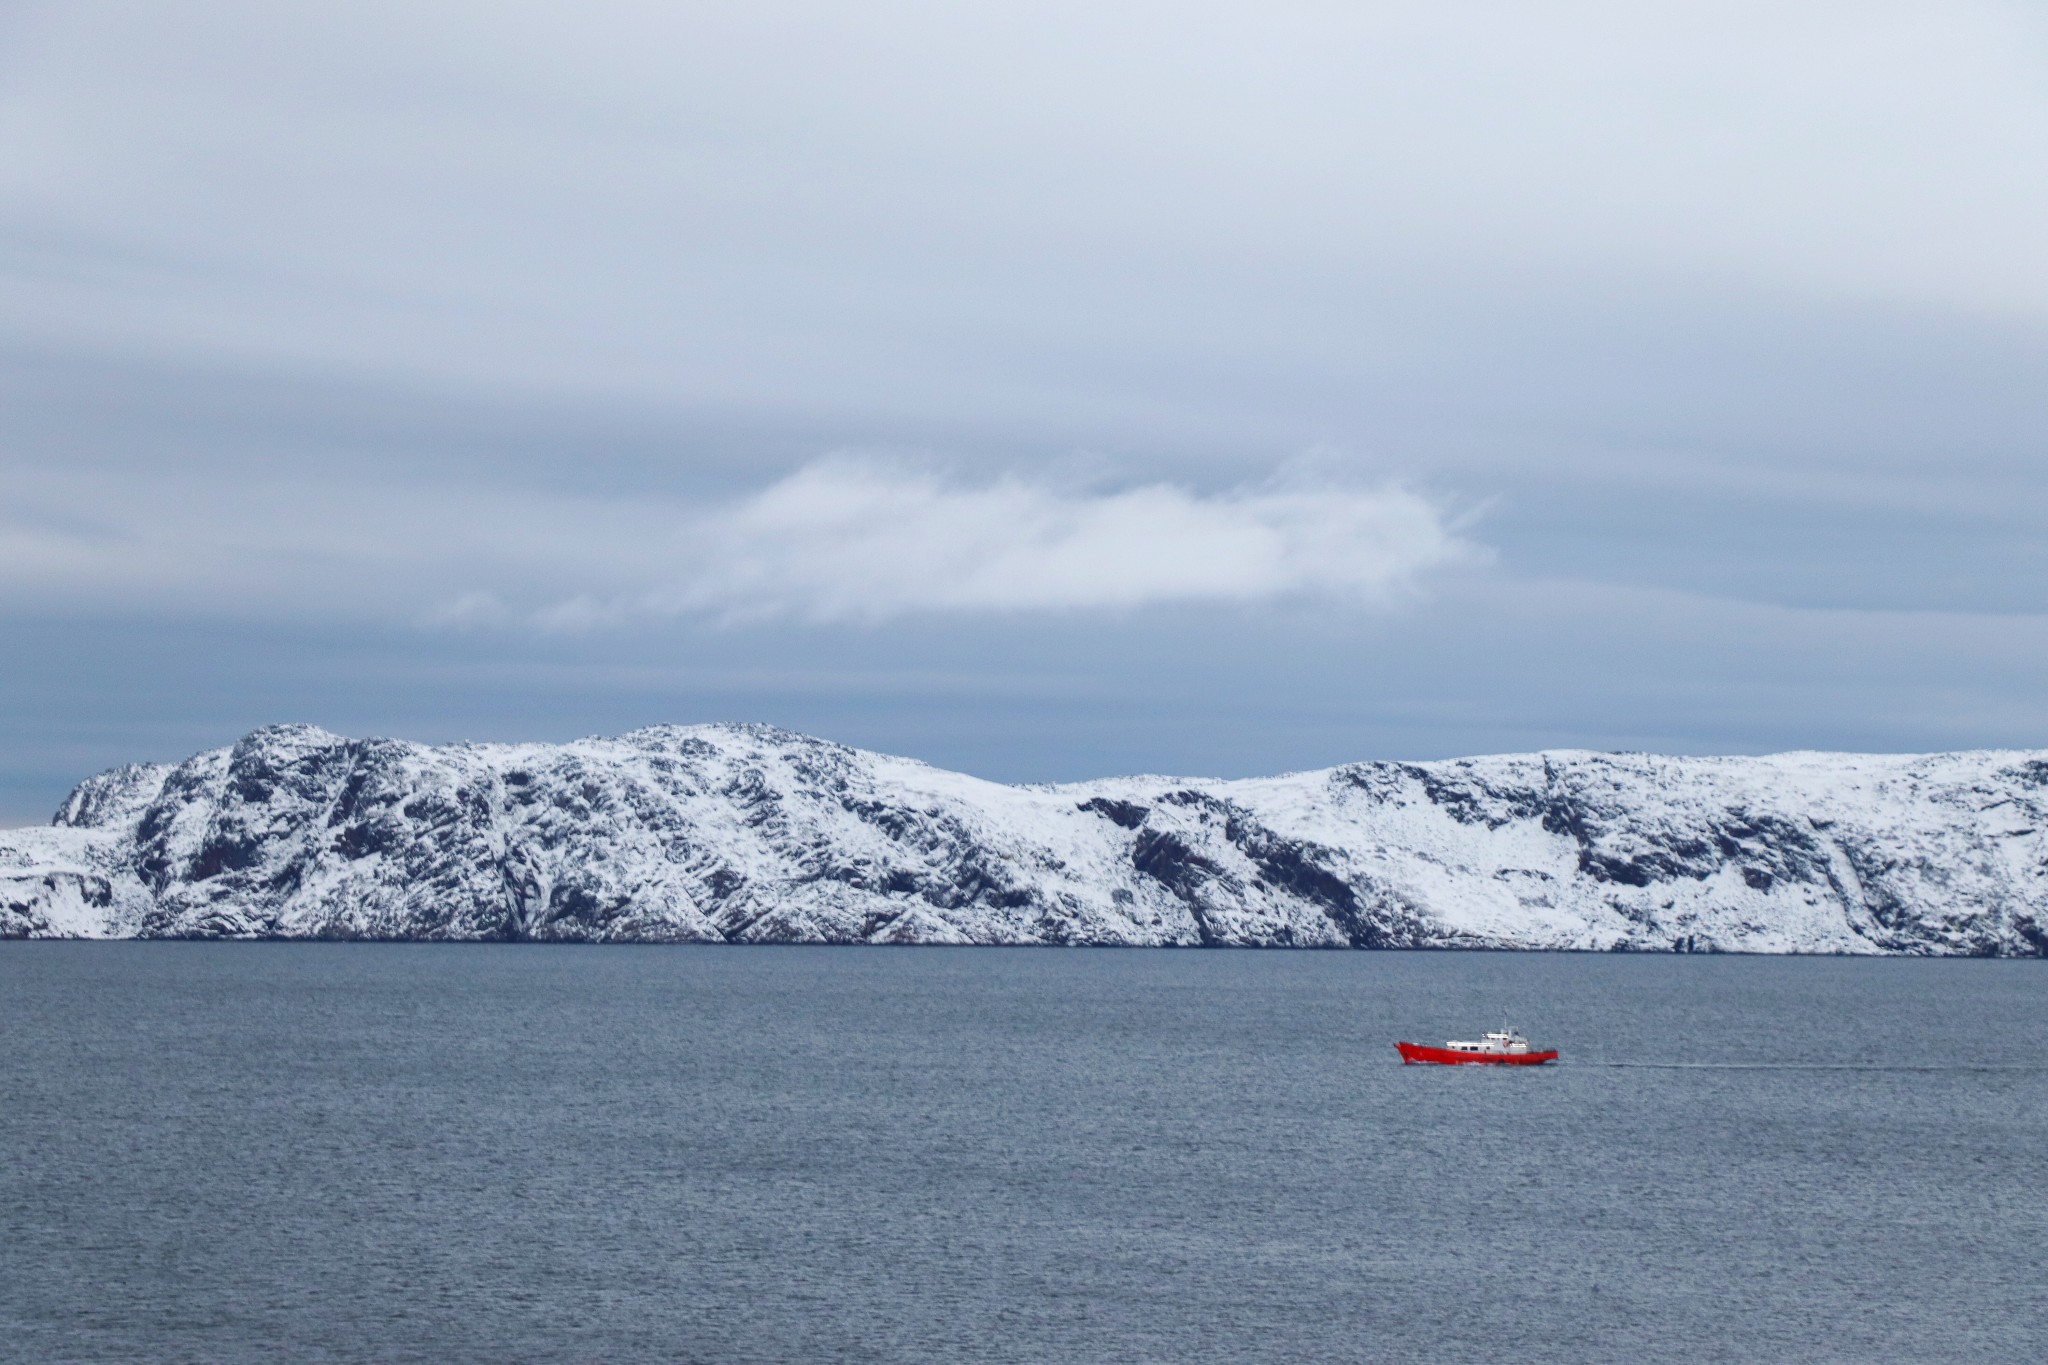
1041,389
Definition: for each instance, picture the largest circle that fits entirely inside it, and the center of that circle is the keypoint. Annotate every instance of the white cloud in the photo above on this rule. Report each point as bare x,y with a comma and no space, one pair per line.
852,539
844,539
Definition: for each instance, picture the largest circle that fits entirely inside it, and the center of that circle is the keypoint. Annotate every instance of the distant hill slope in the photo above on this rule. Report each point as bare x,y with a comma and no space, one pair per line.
744,833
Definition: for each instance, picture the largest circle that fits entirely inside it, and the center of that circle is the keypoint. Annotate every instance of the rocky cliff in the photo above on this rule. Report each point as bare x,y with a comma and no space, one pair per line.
741,833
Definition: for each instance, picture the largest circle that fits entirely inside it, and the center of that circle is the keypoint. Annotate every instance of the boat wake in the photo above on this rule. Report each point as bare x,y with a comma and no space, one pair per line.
1814,1066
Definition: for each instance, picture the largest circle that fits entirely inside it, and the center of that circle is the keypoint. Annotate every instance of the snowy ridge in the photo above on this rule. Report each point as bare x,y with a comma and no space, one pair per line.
745,833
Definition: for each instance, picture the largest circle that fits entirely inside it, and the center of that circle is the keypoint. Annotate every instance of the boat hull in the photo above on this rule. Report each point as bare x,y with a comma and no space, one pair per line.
1414,1053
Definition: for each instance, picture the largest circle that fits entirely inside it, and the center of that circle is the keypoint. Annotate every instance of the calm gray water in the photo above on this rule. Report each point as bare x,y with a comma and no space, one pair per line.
307,1152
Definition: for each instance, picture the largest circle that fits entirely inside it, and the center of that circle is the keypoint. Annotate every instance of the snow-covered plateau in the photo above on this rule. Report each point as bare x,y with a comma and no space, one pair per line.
749,834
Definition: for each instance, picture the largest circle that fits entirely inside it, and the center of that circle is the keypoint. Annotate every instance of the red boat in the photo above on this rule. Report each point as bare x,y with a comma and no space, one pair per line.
1505,1048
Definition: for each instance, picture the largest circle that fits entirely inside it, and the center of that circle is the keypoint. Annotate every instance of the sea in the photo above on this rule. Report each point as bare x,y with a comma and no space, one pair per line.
314,1152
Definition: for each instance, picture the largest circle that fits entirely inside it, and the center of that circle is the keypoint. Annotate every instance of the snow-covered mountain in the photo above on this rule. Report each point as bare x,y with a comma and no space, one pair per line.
744,833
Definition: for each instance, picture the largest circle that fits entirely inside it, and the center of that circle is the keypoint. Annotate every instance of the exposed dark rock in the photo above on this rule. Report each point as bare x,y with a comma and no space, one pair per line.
747,833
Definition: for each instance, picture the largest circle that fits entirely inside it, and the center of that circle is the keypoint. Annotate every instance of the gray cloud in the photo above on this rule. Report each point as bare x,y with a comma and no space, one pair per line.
330,319
817,203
